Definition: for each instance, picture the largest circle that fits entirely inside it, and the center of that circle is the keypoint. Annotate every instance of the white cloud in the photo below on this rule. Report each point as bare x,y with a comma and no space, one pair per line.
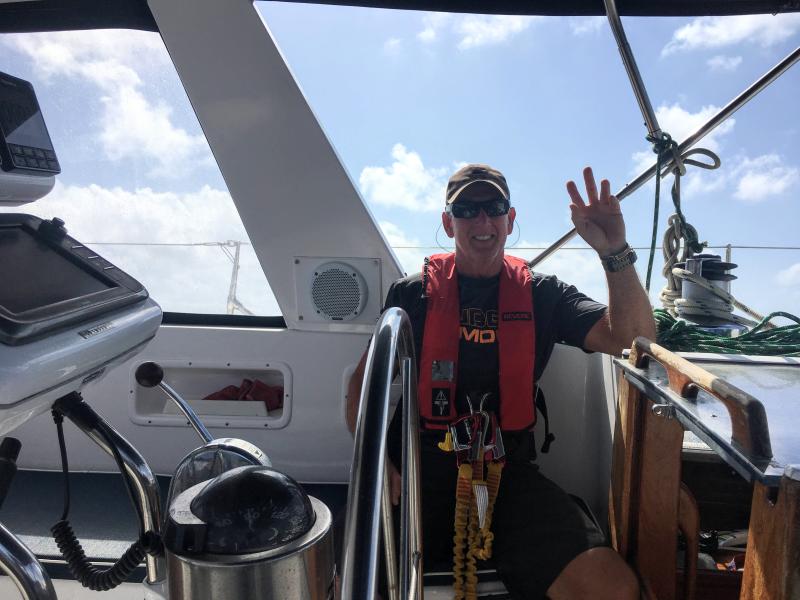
143,215
489,30
392,46
755,179
407,183
698,182
680,123
587,25
433,23
724,63
718,32
764,176
750,180
180,278
54,52
474,31
790,276
131,125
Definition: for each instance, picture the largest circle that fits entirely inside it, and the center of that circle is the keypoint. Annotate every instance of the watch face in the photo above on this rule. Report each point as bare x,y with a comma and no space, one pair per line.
619,262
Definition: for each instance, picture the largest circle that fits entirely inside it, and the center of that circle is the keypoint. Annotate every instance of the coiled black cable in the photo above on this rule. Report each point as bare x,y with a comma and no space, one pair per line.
92,577
85,572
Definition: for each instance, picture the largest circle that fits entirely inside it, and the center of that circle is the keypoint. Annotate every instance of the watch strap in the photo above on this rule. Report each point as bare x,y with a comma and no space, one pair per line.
613,263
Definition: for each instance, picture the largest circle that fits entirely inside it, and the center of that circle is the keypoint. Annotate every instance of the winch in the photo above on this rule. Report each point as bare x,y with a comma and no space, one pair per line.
706,294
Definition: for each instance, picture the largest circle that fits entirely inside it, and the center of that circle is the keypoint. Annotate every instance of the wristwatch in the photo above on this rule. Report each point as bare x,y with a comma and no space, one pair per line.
613,263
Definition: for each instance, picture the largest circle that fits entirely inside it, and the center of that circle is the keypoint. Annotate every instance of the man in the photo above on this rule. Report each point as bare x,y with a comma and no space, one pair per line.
484,327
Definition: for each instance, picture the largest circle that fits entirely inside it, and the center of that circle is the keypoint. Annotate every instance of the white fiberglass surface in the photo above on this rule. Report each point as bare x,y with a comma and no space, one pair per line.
406,97
72,590
139,184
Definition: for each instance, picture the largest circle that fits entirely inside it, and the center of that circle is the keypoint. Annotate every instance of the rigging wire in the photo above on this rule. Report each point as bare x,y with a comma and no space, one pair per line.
424,247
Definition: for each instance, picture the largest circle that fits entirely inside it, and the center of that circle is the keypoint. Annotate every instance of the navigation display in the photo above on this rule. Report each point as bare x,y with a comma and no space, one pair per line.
49,281
25,141
34,275
21,119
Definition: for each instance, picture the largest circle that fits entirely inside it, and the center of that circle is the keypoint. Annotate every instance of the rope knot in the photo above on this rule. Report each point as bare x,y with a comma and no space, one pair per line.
665,147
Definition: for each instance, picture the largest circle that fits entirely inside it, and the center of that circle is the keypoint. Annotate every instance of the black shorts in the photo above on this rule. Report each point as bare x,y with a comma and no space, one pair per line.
538,528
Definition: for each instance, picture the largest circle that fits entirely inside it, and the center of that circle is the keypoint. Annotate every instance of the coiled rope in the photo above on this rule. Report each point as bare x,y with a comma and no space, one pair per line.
726,301
680,336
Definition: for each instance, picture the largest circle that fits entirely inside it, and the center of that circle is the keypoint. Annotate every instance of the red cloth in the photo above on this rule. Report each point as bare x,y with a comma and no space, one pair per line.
270,395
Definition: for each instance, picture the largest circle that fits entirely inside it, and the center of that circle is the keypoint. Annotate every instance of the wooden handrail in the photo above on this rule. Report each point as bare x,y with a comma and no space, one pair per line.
750,432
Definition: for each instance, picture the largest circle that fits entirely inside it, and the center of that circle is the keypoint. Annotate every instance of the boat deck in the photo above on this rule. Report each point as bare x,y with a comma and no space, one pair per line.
100,512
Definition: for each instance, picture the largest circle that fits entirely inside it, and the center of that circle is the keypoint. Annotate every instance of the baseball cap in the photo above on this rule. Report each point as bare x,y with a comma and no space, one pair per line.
475,173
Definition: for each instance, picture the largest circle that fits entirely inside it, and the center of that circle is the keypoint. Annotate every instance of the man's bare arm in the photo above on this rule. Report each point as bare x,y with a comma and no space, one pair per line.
599,222
629,315
354,394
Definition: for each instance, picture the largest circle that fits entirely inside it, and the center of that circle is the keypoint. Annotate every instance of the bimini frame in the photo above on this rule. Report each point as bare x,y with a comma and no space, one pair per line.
647,110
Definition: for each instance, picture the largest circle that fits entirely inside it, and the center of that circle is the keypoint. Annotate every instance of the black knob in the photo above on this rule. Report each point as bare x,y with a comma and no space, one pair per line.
9,451
149,374
54,228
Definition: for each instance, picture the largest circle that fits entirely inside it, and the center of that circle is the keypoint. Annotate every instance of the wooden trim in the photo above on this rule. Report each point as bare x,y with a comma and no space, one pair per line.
772,564
623,500
655,552
748,417
689,524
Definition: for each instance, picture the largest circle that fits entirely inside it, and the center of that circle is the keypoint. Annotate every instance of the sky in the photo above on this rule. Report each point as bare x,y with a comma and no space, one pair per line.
406,98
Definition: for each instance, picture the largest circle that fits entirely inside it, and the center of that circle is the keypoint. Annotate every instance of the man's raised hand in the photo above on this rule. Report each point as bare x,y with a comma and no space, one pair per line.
600,221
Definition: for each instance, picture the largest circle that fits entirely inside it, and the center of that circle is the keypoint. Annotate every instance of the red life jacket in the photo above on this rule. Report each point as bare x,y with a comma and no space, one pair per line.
515,335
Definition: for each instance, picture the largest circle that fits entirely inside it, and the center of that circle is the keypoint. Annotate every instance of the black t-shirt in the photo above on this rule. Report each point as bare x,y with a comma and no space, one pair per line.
561,314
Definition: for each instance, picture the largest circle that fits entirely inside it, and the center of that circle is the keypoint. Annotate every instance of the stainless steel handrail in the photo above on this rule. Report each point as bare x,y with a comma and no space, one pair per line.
392,346
22,566
633,71
725,112
137,469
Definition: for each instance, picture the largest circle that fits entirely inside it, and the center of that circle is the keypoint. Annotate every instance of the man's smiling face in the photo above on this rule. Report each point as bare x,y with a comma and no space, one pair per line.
479,240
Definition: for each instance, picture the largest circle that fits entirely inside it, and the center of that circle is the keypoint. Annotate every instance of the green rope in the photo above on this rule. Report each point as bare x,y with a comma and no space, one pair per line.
660,147
664,147
680,336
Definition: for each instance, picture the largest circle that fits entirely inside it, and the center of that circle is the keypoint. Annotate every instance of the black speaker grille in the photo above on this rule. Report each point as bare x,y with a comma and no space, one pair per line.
336,293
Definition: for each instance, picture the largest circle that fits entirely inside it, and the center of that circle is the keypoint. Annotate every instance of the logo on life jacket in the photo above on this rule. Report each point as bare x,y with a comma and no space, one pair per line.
517,316
441,401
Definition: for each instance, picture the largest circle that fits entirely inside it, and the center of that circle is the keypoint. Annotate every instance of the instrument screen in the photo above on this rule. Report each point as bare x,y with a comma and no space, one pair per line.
41,276
26,144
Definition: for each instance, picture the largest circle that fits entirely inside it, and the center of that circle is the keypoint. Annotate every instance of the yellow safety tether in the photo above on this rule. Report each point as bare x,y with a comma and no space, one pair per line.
478,540
463,501
495,470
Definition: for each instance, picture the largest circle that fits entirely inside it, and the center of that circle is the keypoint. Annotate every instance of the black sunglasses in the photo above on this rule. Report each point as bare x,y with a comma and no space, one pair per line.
470,210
